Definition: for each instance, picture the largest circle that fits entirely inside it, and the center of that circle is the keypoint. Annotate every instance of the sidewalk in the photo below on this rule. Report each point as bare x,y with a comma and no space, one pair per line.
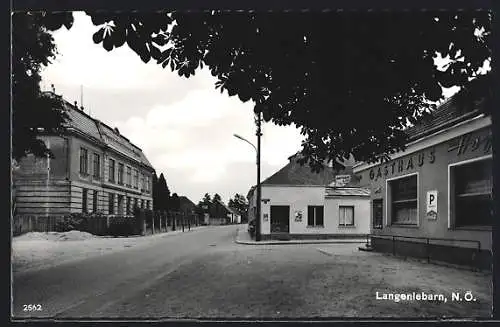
243,237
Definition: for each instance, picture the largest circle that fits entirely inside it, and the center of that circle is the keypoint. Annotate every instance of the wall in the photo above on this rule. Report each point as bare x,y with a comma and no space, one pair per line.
431,163
41,183
298,198
361,215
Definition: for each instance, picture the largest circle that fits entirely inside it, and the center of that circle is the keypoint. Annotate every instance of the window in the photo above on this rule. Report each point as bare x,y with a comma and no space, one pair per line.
129,207
472,193
378,213
346,215
111,203
147,204
84,169
120,173
147,184
136,178
136,204
111,170
142,182
84,200
97,166
404,196
129,176
315,215
120,204
142,204
94,202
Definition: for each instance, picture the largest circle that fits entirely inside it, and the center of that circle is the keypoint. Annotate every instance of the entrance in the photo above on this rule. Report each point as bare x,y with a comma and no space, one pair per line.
378,213
280,219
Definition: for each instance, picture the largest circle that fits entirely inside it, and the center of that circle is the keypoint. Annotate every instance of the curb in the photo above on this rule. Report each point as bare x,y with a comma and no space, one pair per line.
295,242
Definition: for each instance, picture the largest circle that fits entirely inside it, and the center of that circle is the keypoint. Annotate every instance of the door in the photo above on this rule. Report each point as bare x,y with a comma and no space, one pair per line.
378,213
280,219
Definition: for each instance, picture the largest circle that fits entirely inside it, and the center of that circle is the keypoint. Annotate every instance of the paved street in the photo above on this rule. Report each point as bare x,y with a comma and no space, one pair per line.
205,274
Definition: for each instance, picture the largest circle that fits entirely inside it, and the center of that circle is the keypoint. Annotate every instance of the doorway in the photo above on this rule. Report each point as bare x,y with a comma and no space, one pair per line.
280,219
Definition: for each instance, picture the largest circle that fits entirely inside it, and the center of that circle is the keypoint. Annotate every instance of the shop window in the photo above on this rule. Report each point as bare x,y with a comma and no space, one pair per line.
404,198
315,216
378,213
472,193
346,216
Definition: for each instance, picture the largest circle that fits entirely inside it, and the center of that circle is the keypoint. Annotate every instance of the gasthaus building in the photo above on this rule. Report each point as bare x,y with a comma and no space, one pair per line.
434,200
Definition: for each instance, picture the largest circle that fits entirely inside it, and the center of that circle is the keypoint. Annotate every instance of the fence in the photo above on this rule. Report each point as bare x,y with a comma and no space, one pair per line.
143,222
432,248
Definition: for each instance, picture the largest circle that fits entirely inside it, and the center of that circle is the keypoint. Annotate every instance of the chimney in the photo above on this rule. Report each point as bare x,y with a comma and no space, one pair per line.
53,88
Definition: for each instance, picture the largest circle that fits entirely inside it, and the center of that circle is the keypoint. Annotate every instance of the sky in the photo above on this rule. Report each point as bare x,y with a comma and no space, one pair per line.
183,125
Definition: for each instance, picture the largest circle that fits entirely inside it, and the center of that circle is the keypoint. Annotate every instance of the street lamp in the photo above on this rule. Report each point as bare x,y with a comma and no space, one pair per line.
259,194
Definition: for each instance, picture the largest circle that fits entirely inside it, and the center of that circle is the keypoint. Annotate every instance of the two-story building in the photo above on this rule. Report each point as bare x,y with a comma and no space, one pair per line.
95,169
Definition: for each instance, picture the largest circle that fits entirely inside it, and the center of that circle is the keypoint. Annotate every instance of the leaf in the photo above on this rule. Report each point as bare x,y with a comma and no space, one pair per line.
108,42
98,36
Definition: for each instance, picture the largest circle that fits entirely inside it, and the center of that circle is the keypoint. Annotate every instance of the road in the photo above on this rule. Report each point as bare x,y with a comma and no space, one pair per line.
205,274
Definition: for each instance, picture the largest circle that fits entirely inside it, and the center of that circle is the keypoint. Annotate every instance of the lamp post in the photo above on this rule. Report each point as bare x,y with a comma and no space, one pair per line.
259,194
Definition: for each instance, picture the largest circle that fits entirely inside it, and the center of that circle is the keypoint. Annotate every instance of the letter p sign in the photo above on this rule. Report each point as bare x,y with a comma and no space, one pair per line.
432,204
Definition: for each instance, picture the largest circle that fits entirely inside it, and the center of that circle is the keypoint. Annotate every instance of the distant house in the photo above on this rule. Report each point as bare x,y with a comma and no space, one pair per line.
220,214
235,216
299,203
96,169
187,206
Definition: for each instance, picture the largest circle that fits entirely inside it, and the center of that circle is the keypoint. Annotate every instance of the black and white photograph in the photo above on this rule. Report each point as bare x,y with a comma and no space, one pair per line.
251,164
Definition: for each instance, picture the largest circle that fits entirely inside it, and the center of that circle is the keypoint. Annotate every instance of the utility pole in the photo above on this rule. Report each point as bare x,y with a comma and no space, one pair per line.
259,191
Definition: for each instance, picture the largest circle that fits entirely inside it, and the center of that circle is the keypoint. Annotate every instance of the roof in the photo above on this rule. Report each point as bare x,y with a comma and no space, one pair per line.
295,174
346,191
98,130
224,206
466,104
445,115
186,203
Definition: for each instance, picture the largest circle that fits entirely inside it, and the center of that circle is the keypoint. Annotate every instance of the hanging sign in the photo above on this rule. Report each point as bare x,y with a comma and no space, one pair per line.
432,200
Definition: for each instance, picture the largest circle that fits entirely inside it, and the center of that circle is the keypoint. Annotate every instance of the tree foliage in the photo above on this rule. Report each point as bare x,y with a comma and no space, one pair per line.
175,203
350,80
240,204
34,112
161,193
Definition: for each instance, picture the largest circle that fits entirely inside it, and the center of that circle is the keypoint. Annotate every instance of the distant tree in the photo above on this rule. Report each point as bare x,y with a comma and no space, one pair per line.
206,199
175,203
216,198
240,204
33,112
156,192
373,71
164,193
